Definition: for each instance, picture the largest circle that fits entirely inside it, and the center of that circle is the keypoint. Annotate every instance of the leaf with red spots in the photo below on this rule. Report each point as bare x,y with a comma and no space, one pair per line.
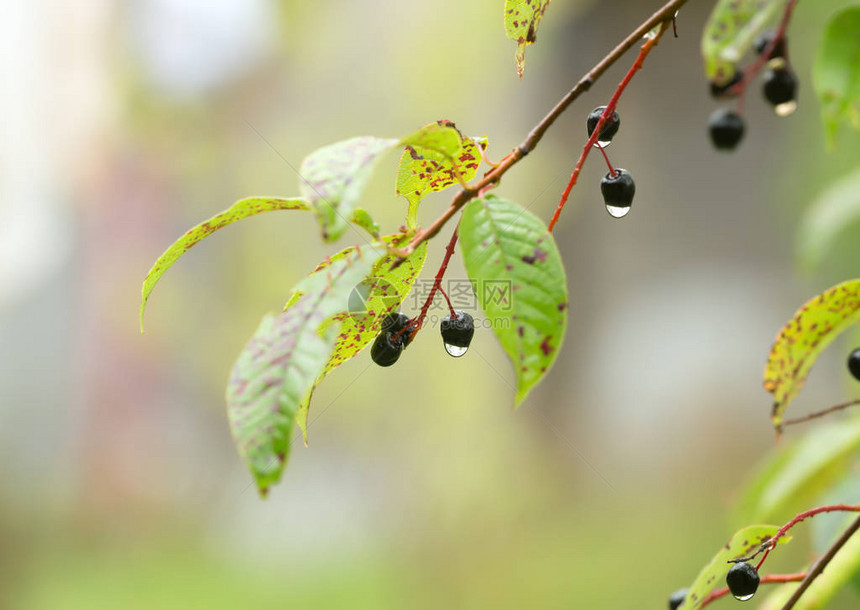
743,543
380,293
521,284
333,177
731,31
239,210
423,170
805,336
522,18
277,369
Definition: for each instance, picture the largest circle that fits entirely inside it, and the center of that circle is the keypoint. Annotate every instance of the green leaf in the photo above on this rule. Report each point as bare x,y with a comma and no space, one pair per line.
836,72
743,543
796,474
832,212
239,210
521,283
379,294
803,338
730,32
522,18
334,177
423,170
277,369
363,219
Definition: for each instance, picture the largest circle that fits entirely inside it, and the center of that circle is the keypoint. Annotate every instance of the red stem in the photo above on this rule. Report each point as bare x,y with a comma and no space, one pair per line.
771,542
768,579
605,156
751,72
610,109
415,325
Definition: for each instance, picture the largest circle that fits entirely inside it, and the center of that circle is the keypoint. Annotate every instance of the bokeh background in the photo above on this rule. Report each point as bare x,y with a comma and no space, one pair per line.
124,123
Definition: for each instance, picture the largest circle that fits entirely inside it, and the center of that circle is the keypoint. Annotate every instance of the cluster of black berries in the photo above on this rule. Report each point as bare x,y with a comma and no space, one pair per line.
742,580
854,363
617,185
780,90
396,335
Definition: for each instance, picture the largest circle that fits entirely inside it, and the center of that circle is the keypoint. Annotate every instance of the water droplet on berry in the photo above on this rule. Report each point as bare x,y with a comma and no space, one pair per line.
786,108
455,350
617,211
744,598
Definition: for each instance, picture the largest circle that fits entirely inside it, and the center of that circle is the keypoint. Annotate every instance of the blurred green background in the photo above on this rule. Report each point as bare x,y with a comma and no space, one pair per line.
124,123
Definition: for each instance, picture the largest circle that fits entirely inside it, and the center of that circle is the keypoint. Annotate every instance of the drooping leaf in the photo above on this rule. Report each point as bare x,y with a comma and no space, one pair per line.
334,177
744,542
423,170
239,210
836,72
730,32
363,219
277,369
521,283
522,18
380,293
833,211
799,343
797,473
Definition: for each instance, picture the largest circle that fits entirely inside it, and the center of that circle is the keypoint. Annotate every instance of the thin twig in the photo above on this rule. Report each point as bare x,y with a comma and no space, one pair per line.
833,409
822,562
771,542
663,15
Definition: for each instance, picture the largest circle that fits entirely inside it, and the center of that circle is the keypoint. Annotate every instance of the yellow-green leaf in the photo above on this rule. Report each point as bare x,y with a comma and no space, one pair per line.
803,338
836,72
522,18
380,293
239,210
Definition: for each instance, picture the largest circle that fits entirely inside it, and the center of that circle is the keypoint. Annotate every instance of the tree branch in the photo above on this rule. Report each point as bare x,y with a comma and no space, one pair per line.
822,562
833,409
665,15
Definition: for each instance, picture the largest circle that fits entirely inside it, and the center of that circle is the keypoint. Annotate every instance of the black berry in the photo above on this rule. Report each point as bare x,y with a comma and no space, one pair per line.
394,323
677,598
618,191
457,333
726,128
610,127
764,39
780,86
854,363
386,349
722,91
742,580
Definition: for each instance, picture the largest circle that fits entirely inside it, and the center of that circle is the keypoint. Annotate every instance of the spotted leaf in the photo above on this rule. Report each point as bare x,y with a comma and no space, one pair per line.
800,342
380,293
239,210
743,543
731,31
423,170
277,369
521,284
522,18
334,177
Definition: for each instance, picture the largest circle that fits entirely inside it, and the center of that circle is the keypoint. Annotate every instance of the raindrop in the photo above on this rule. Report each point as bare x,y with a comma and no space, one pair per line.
785,108
455,350
743,598
617,211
